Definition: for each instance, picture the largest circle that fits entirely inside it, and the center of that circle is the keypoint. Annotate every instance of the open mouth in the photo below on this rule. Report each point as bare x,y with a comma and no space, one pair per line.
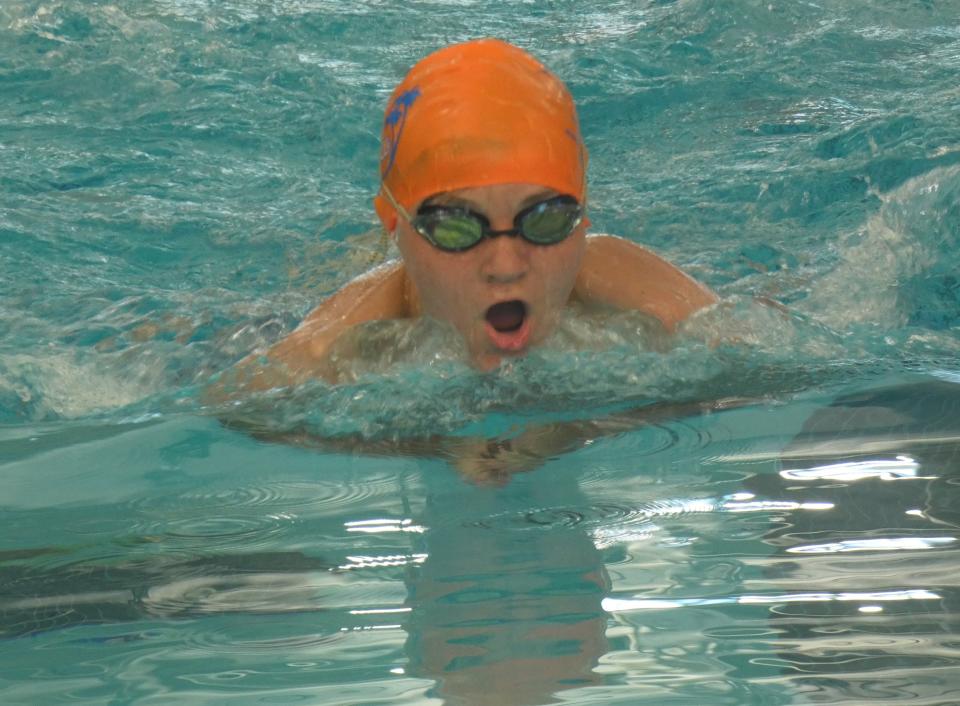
507,317
508,326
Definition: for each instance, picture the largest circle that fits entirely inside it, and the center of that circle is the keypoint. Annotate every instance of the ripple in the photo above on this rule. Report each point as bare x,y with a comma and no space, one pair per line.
642,434
266,592
553,517
227,643
328,598
213,532
603,515
279,498
243,496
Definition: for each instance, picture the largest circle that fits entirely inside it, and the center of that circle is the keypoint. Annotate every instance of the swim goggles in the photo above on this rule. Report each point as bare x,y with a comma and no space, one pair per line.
454,229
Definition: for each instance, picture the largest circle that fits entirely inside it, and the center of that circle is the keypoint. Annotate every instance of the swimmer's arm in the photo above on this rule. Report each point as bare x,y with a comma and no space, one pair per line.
304,354
621,274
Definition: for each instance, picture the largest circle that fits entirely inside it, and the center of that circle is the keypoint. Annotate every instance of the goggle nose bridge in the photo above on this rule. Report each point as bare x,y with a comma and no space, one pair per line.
509,232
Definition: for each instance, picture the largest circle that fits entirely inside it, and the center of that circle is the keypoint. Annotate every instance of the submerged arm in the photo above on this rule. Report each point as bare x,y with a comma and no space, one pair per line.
623,275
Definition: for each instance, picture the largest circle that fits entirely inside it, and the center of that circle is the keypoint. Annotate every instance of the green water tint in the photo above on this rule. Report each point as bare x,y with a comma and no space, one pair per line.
696,569
195,559
183,180
159,240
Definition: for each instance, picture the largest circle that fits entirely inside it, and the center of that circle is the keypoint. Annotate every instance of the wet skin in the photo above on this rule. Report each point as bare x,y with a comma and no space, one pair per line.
599,271
460,287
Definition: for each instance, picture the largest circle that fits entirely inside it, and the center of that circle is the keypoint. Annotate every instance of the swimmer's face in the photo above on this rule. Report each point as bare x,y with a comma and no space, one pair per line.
505,294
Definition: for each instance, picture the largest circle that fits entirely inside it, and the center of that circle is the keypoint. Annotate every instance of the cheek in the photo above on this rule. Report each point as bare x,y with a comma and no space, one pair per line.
417,257
434,274
563,265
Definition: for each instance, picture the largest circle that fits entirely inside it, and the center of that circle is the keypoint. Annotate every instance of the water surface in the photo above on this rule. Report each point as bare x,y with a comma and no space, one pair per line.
770,520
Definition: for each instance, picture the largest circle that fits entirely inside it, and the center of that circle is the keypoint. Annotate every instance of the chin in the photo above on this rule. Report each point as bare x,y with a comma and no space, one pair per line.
485,362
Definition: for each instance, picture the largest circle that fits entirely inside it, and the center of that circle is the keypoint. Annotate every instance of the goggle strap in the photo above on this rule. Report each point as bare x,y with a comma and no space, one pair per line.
396,204
403,212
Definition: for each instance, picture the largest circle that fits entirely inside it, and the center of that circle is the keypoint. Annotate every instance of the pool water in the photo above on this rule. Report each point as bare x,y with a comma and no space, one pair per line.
762,510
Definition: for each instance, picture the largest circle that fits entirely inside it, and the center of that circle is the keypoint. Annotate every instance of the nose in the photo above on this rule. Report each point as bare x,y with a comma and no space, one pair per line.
505,260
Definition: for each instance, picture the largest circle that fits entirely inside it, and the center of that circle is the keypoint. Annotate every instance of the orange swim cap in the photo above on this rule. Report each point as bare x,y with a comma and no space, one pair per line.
474,114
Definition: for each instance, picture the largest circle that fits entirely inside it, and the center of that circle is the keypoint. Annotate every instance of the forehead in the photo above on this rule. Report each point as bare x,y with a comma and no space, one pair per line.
514,195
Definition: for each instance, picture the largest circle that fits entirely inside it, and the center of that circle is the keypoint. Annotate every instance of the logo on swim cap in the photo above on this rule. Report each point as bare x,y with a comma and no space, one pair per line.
393,124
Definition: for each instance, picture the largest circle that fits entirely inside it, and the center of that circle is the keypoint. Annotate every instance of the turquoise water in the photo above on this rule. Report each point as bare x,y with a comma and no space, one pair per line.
768,521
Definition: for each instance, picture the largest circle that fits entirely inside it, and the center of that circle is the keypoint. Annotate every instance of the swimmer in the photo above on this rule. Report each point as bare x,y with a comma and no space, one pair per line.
483,189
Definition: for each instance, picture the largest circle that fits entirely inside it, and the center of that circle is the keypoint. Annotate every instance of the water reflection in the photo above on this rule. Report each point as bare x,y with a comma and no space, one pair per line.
880,596
885,544
825,573
850,471
633,604
500,616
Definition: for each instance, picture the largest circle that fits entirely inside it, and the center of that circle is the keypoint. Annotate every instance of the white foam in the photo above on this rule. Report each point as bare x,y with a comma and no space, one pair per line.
59,384
899,242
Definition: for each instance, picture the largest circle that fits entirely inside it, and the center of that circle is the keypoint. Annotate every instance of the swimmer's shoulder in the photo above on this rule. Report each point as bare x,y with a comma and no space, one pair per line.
620,273
379,293
376,295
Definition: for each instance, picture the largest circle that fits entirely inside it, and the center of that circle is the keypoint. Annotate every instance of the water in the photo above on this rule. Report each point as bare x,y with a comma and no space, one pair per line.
762,511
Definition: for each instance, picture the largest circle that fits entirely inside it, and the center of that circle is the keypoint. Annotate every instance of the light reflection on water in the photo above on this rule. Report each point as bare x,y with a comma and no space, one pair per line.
615,605
691,581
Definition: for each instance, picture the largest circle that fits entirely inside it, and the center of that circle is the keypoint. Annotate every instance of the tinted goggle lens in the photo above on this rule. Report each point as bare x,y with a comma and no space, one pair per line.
551,221
454,229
